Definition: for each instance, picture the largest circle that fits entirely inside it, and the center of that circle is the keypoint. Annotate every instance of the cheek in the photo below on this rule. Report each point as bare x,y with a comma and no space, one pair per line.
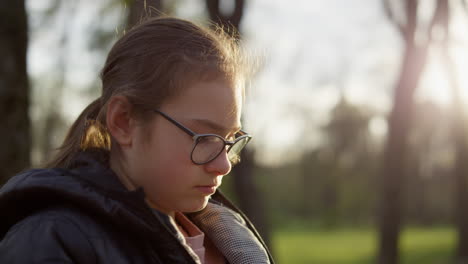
162,143
172,181
172,152
166,158
167,170
167,173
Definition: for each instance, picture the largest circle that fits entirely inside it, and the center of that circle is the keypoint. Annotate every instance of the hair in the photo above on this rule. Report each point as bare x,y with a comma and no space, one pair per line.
150,63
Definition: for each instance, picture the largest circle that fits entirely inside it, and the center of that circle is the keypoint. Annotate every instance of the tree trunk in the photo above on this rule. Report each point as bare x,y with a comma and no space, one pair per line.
394,167
459,135
14,90
461,152
248,195
461,166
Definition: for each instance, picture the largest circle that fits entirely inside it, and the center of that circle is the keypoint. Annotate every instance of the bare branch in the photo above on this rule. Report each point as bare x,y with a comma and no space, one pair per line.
391,16
141,9
411,8
232,19
440,18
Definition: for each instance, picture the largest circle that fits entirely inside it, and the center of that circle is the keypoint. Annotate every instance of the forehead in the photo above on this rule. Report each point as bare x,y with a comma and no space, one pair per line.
216,100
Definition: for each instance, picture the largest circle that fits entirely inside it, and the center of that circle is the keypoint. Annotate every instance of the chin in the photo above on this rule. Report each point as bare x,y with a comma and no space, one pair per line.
196,206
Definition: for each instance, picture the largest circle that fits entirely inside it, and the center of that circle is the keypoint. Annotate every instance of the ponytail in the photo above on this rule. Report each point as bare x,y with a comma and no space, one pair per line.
86,132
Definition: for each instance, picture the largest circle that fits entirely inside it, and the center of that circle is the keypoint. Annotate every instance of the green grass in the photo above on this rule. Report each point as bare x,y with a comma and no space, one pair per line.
353,246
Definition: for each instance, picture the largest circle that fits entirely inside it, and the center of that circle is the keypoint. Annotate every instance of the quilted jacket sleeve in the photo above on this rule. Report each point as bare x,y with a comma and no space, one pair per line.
45,238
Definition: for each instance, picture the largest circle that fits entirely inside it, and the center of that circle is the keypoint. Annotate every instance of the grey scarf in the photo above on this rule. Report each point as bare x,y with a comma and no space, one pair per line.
230,234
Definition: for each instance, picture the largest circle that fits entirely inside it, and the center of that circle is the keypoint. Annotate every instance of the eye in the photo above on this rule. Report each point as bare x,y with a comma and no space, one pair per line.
232,136
235,135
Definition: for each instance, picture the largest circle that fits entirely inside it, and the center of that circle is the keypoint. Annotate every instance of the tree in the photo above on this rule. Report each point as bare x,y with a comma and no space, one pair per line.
248,195
347,145
139,9
14,89
53,122
459,134
394,167
230,21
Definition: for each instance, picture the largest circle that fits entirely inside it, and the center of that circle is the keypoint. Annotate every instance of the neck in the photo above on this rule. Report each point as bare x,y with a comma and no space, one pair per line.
124,178
116,165
155,206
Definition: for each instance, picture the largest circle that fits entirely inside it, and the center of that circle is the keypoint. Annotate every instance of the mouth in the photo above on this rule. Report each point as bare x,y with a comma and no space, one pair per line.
207,189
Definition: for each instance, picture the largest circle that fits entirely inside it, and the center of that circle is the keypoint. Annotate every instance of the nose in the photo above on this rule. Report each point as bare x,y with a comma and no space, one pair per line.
219,166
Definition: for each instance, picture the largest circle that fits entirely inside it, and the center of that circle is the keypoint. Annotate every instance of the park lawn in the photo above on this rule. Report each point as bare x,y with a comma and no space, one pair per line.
358,246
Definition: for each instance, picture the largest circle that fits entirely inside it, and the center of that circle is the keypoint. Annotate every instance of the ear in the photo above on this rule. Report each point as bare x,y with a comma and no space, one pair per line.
120,123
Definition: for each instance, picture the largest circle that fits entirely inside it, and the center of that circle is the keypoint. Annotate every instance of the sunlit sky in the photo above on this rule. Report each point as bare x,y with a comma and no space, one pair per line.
313,51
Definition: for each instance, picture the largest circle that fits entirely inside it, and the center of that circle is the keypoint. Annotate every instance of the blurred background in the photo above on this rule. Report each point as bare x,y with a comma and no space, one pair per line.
358,113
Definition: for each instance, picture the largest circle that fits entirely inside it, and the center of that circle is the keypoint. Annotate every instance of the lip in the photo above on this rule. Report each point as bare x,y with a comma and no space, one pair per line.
207,189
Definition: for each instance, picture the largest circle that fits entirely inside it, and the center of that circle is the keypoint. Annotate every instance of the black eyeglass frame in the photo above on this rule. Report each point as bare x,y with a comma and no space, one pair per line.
196,138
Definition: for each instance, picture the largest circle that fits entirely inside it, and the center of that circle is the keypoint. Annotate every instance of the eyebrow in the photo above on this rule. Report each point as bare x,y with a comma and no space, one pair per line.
215,126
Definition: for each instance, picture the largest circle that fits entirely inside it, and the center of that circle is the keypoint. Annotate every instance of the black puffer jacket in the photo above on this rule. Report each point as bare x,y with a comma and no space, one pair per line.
85,215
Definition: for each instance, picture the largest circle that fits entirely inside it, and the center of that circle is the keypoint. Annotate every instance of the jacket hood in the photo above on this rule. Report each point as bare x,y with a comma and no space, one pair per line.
94,189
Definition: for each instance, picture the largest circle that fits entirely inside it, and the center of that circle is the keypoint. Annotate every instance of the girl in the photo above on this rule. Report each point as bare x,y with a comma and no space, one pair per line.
136,179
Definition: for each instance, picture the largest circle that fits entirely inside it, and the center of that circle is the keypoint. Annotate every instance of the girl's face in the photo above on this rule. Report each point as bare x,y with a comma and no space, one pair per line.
159,156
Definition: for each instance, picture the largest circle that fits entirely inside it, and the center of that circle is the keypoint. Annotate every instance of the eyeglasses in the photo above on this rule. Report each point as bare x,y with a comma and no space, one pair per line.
207,147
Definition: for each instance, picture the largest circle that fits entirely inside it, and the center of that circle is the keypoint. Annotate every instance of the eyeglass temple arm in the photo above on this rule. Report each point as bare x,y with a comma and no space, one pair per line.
185,129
